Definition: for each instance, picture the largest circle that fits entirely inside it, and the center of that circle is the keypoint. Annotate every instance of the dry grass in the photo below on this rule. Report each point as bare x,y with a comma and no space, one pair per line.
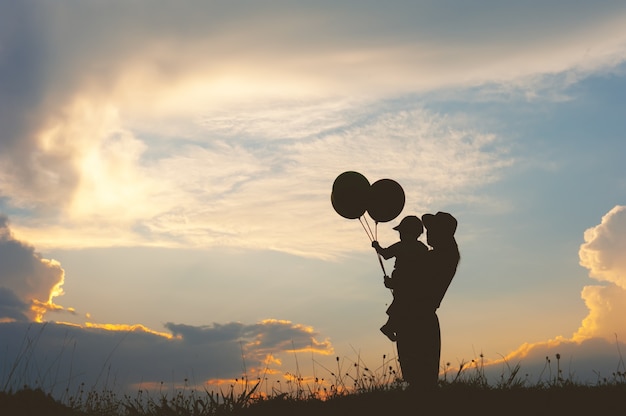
351,388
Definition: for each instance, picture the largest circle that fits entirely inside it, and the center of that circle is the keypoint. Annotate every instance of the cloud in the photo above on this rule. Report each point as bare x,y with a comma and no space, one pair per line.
28,282
128,357
148,70
12,308
263,193
266,337
60,356
603,254
587,361
595,348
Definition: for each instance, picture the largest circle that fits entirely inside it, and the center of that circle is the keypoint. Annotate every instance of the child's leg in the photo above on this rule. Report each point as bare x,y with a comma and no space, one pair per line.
389,330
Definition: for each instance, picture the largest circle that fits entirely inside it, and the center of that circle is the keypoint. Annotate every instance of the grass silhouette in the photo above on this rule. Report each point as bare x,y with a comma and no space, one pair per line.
352,389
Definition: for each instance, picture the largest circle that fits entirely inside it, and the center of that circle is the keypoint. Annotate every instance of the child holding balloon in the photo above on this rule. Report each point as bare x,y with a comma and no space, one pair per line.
410,254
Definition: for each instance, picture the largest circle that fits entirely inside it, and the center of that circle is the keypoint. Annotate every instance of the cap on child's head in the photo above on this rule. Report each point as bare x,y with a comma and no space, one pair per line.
410,223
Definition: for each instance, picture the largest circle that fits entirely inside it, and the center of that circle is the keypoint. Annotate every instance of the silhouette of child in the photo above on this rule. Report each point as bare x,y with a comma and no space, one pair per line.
410,254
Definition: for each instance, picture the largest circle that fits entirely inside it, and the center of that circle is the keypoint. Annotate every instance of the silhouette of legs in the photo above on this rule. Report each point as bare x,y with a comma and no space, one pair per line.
419,349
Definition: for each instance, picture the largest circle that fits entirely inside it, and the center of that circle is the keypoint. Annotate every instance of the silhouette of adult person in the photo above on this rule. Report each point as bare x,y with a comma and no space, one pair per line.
418,333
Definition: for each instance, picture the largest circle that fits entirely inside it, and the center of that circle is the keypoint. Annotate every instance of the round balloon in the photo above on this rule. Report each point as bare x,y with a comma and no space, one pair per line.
386,200
350,194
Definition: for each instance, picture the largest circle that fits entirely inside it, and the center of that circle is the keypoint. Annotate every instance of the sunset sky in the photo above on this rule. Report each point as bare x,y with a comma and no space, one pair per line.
166,171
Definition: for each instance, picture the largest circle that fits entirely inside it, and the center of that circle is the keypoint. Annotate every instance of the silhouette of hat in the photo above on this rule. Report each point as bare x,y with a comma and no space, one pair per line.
442,222
410,223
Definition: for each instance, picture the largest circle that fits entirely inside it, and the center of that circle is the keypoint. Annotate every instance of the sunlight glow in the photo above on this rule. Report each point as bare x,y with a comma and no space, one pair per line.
270,359
130,328
271,321
324,347
526,347
41,307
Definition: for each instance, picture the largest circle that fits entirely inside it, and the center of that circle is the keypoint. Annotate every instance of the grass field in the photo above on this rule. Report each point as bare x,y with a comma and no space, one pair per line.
446,400
465,391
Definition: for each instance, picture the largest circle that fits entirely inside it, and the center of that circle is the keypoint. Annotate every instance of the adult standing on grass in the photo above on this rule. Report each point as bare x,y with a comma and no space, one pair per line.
418,334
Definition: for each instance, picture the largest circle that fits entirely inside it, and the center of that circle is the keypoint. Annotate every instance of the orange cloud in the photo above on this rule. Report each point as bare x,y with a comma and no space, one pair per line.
130,328
270,359
603,254
287,336
526,348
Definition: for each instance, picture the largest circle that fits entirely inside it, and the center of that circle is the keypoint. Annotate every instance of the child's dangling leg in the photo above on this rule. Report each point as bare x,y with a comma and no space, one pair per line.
388,330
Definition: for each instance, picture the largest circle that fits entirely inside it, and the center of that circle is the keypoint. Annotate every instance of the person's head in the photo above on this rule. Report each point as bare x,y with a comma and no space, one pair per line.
410,227
440,229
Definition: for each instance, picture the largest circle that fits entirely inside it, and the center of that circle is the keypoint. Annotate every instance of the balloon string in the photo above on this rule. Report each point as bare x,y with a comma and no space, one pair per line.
369,233
380,260
368,226
372,236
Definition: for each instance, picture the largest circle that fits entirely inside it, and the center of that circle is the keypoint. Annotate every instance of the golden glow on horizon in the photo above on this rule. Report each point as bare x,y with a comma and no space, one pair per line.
68,324
322,387
129,328
526,348
523,351
162,387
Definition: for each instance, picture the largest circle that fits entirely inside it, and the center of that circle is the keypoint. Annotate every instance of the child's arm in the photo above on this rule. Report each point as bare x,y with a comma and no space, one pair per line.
387,253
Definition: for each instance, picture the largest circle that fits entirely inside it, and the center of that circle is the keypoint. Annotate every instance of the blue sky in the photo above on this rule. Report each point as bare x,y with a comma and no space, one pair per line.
168,168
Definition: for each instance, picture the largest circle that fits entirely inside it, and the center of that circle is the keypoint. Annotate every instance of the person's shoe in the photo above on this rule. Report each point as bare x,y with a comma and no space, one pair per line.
385,329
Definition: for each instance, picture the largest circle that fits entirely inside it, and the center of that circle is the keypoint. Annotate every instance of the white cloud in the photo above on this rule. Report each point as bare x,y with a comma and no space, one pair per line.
191,125
607,312
263,194
604,248
603,254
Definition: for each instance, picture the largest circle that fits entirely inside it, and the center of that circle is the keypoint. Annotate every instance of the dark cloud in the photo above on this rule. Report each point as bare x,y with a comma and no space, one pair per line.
11,307
29,101
275,334
69,355
22,72
208,334
28,281
61,356
255,341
